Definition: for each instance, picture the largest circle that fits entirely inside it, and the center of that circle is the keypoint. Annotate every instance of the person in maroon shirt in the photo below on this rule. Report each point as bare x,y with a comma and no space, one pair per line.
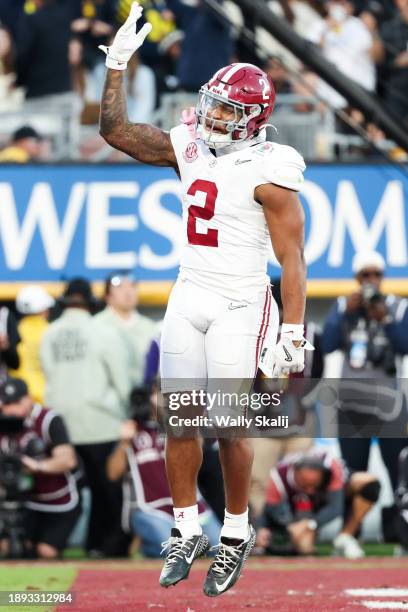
52,506
308,490
139,460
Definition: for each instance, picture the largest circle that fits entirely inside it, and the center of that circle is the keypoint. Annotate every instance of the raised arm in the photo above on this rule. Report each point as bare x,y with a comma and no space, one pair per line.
146,143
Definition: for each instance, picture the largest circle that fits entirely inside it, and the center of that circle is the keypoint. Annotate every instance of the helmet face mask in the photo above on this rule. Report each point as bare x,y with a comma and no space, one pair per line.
216,131
244,96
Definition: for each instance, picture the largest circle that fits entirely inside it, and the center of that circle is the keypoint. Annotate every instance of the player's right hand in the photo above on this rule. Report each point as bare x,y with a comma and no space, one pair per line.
126,41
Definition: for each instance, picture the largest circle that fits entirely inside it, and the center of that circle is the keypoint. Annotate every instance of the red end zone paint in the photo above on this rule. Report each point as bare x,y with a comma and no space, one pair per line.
271,584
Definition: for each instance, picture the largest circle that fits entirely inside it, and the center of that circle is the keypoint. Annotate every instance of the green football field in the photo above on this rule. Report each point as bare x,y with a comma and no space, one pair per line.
34,578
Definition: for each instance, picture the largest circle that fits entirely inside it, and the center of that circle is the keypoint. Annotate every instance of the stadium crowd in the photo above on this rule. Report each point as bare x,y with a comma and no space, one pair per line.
50,62
81,440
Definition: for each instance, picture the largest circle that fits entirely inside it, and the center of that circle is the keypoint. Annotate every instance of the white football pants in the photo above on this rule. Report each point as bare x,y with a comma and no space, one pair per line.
207,336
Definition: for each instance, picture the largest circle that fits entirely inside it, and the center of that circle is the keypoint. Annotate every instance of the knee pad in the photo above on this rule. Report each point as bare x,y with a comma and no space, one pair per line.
370,491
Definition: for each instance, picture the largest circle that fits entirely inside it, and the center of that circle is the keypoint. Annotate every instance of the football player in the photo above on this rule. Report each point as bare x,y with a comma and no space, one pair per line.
239,195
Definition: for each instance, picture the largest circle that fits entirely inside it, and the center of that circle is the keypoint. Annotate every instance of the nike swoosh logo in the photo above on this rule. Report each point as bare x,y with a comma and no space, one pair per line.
235,306
242,161
221,587
191,558
288,355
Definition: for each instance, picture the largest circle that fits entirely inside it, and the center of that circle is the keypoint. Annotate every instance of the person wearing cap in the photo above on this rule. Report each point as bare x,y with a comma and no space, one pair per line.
365,337
25,146
87,381
52,505
308,490
34,303
135,330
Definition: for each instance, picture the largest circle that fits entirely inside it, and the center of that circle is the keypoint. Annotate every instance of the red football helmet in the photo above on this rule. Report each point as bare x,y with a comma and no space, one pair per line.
249,92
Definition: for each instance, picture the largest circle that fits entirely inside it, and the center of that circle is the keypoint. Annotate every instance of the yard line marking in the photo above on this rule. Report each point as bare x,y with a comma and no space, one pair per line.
383,592
385,605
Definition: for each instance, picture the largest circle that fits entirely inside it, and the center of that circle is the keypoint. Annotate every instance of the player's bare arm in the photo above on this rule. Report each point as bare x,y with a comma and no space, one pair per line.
285,218
146,143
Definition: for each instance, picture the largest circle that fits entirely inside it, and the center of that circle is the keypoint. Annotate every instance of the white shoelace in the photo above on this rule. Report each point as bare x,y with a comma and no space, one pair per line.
225,558
177,548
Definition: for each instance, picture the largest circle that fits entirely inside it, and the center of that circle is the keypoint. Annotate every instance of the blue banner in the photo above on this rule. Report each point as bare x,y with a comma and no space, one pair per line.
61,221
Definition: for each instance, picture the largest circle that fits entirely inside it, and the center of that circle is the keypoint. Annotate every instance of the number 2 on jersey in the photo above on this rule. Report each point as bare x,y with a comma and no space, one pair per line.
210,238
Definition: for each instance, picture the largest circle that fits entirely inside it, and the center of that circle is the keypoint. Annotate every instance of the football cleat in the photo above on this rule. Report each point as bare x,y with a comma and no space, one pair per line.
181,552
228,563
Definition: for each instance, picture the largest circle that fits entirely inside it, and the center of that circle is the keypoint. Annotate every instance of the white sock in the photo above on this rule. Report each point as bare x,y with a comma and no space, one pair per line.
186,521
235,526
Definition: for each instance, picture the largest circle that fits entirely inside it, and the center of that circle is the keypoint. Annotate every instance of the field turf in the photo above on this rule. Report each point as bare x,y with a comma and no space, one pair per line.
282,585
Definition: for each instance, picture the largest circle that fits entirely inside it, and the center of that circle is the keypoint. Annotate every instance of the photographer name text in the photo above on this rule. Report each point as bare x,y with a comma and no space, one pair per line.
229,421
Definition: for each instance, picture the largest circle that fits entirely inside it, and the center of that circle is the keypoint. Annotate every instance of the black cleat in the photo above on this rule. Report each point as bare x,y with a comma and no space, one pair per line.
181,552
228,563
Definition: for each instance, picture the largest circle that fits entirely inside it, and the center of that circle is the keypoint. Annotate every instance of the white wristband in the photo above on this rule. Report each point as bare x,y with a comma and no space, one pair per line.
296,332
114,64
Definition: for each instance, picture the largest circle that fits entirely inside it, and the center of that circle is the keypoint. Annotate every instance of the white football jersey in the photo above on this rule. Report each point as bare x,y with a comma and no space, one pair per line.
227,242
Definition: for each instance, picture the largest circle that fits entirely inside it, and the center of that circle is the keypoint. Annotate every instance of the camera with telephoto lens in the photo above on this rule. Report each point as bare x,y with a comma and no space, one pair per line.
15,482
140,404
371,294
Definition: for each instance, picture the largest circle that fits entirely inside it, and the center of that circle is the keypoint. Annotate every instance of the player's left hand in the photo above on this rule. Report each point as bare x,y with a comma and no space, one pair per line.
290,357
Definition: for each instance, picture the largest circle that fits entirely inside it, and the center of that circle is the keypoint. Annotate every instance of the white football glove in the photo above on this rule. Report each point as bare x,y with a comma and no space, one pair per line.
285,358
126,41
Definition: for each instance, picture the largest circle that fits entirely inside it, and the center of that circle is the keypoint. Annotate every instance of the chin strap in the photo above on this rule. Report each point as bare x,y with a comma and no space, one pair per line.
243,144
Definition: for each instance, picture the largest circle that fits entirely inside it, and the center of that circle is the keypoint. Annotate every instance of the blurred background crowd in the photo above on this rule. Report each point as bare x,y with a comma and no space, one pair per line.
79,407
51,71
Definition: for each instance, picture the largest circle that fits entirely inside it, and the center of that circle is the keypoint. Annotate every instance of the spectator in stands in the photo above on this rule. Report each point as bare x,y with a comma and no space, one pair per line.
134,330
346,42
307,491
10,96
33,302
138,459
166,73
198,62
42,57
279,75
87,381
162,19
9,339
141,89
395,36
364,336
6,49
10,13
25,147
53,504
93,26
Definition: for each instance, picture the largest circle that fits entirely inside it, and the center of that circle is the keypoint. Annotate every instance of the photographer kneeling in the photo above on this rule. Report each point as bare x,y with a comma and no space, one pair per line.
307,491
37,463
139,460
